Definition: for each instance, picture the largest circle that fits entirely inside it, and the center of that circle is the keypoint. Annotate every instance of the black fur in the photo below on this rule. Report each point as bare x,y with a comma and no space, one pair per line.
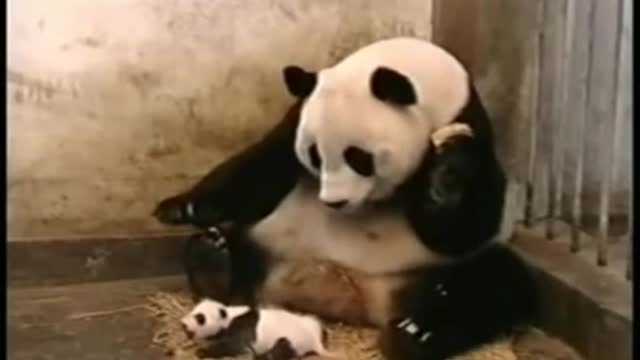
246,187
457,307
234,340
463,184
208,266
454,203
392,87
230,272
282,350
300,82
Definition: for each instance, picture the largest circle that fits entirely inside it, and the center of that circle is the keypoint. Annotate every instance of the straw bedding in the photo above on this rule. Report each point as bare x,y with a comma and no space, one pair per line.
355,343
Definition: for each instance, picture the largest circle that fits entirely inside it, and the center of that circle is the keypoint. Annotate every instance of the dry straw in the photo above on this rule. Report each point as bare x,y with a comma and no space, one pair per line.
353,342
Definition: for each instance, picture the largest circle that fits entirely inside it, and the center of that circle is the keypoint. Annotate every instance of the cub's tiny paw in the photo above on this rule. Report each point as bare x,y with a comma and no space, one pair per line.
409,327
446,133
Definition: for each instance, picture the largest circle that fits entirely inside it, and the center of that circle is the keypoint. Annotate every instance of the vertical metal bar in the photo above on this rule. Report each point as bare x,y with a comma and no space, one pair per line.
607,148
627,24
563,48
576,208
435,19
630,240
534,114
550,40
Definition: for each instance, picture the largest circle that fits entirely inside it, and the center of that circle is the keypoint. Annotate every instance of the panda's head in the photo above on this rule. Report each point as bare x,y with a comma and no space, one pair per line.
206,320
365,122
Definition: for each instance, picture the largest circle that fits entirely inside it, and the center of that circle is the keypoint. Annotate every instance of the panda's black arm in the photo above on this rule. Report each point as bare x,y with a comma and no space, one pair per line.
244,188
458,195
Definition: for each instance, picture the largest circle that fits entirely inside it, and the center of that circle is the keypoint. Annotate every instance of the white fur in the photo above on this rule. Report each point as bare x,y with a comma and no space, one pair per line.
213,323
376,241
304,332
342,112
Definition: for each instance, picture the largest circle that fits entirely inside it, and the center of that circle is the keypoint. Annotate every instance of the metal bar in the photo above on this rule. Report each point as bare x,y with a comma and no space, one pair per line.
551,38
630,241
627,45
534,113
608,150
625,118
576,208
559,115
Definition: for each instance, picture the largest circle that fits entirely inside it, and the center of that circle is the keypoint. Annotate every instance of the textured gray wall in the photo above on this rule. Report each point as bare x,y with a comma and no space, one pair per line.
114,104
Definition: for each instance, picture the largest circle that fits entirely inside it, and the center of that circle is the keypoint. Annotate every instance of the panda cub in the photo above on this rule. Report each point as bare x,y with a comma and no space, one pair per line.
385,166
267,333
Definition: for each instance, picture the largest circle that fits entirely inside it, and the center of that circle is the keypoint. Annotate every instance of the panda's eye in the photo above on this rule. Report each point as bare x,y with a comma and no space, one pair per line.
200,319
222,313
314,156
359,160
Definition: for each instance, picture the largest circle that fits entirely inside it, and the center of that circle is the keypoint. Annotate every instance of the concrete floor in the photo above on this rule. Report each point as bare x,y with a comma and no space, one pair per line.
57,322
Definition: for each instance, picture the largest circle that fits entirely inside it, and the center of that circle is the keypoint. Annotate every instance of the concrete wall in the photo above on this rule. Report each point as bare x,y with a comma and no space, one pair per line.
115,104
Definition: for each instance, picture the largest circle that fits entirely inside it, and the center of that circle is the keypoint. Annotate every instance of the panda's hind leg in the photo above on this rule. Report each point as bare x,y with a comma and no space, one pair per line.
409,339
452,309
207,265
223,264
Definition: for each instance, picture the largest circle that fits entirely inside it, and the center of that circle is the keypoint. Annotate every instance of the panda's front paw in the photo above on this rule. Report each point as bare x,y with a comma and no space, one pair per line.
447,186
181,210
448,132
173,211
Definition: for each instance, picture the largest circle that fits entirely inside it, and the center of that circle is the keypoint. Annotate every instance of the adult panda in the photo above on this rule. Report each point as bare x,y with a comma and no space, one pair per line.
351,175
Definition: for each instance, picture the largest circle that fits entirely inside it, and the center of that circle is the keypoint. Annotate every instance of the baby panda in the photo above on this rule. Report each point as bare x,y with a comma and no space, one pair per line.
267,333
360,172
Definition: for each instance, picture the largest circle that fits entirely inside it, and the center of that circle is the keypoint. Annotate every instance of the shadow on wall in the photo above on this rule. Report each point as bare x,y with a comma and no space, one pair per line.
106,119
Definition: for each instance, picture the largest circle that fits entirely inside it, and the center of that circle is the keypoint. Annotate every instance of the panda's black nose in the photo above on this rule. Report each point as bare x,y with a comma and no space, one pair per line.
336,204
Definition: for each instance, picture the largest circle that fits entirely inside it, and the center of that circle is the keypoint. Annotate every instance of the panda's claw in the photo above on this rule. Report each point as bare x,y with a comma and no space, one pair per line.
414,330
403,323
171,211
217,238
425,336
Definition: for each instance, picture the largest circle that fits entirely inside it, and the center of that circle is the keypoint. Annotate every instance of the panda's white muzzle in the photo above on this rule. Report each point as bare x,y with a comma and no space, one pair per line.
343,189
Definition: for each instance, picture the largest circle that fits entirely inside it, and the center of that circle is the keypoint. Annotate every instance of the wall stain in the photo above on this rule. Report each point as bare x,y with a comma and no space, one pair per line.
288,13
372,236
90,41
143,80
158,152
35,90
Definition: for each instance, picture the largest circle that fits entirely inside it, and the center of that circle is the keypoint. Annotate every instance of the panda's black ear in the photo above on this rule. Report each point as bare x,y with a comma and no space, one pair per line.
300,82
391,86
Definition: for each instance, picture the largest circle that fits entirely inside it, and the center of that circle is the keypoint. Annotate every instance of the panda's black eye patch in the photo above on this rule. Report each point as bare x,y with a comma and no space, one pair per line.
314,156
200,319
222,313
359,160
